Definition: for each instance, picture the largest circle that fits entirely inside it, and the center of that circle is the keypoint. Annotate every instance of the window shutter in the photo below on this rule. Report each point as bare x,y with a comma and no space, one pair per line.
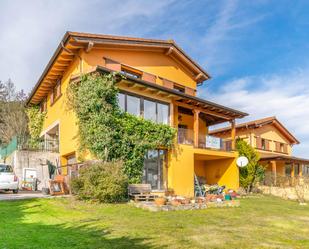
52,97
277,146
258,142
285,148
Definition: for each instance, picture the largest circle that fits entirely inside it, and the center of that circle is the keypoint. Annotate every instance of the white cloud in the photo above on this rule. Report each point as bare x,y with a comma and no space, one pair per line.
31,30
285,96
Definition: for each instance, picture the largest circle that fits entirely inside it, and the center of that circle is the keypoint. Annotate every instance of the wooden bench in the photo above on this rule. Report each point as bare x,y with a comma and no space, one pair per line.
141,192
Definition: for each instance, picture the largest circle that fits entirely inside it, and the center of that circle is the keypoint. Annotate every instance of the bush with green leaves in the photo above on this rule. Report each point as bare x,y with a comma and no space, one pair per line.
253,172
109,133
102,182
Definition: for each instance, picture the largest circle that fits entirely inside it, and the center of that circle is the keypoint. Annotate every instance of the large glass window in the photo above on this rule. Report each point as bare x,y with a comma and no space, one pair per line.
296,169
288,169
306,170
133,105
162,114
150,110
153,168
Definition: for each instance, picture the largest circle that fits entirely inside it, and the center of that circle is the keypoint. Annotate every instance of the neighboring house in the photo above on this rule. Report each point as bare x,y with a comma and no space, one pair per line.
161,85
274,144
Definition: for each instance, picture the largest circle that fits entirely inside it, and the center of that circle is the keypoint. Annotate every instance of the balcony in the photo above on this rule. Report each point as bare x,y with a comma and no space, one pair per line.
186,136
44,145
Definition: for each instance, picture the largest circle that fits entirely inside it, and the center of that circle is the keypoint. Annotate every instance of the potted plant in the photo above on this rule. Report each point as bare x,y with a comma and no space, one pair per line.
186,201
160,201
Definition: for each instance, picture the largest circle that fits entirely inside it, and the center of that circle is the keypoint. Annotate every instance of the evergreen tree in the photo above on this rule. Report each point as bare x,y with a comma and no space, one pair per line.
253,172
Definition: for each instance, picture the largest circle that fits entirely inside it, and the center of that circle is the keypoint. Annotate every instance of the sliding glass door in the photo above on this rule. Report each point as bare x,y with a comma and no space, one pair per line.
153,168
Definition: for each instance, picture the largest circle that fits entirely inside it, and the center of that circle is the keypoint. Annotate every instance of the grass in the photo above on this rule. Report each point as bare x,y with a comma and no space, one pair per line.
260,222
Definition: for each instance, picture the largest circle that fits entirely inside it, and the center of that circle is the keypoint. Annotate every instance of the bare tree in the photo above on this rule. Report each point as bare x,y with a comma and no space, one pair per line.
13,119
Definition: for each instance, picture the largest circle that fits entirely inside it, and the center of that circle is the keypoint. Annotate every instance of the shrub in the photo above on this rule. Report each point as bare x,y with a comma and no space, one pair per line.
103,182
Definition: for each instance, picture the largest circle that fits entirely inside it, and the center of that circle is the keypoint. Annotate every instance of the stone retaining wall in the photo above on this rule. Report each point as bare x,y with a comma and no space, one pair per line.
291,193
21,159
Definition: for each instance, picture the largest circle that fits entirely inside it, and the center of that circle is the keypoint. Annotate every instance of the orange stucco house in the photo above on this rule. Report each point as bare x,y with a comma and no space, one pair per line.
161,84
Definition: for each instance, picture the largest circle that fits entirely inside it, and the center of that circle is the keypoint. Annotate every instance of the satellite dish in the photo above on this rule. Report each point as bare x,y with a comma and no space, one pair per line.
242,161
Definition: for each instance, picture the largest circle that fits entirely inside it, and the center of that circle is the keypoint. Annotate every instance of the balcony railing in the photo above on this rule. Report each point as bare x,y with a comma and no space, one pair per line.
46,145
186,136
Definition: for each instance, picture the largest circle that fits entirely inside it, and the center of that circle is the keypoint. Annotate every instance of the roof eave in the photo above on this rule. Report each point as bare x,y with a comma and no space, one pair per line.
47,68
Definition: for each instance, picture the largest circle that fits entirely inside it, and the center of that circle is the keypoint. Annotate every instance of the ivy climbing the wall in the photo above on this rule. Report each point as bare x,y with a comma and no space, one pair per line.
35,124
109,133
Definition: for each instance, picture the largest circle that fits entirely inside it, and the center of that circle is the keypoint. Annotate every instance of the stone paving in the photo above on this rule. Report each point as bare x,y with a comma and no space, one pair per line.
9,196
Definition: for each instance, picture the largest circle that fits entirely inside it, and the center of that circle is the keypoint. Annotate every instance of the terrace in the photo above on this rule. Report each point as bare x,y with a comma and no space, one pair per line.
193,129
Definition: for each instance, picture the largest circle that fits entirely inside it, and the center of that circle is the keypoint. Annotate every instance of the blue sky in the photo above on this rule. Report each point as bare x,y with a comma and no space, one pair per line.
257,52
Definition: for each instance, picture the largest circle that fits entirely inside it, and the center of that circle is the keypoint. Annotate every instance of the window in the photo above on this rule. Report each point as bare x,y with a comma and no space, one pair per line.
306,170
154,163
149,109
296,169
179,88
121,101
133,105
56,92
131,72
43,105
288,169
263,142
163,114
71,159
281,147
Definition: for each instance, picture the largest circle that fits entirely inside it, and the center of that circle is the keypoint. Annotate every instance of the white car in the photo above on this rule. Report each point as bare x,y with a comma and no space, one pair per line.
8,180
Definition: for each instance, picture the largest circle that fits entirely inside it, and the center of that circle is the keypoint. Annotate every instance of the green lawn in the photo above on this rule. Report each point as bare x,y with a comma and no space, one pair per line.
260,222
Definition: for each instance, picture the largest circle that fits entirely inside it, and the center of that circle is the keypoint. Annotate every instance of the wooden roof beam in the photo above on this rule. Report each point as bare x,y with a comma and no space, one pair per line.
219,115
54,74
61,66
89,46
198,76
66,56
57,69
169,51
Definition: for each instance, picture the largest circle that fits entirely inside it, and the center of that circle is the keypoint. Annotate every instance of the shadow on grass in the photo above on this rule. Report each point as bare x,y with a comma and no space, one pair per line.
17,230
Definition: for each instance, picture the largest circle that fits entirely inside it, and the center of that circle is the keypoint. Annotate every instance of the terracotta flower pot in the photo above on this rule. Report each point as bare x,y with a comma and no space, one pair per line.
160,201
185,201
200,200
175,203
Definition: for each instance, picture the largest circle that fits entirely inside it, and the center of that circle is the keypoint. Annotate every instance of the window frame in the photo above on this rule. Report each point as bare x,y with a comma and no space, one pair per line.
282,147
56,92
43,105
263,143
